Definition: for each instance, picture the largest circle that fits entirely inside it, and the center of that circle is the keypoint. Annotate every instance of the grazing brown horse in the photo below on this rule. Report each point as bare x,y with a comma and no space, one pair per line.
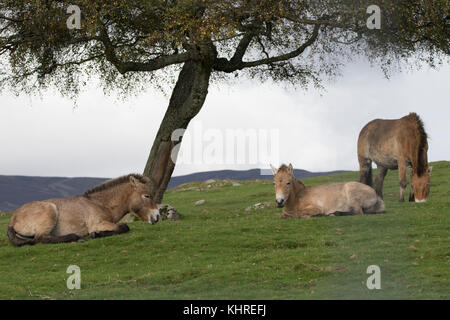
393,144
95,213
339,198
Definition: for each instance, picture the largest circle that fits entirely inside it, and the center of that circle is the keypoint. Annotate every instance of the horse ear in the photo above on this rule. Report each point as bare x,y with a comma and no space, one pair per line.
146,179
274,170
291,168
134,181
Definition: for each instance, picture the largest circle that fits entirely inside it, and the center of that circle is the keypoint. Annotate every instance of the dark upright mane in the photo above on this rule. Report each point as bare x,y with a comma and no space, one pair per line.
283,168
115,182
422,160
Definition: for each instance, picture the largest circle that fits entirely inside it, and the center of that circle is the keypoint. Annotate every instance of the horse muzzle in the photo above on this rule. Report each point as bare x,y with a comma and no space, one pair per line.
154,216
280,203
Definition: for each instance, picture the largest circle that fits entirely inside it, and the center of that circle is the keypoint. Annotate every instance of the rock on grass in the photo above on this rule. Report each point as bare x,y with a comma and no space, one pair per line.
168,212
200,202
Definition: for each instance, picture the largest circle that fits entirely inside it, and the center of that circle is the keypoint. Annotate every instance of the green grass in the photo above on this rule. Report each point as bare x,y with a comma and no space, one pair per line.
220,251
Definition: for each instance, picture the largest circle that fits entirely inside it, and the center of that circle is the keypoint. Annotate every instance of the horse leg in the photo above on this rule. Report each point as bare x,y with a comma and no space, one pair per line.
379,179
411,192
71,237
106,229
356,208
341,213
365,170
411,196
309,211
402,178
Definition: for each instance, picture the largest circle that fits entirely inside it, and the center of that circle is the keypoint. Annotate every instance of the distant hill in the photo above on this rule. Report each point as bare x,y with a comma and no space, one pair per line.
17,190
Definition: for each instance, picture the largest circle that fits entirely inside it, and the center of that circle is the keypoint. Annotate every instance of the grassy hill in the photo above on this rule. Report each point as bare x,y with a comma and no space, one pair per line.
219,250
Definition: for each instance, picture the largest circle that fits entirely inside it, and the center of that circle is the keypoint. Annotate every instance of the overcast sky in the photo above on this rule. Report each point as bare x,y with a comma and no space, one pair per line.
106,138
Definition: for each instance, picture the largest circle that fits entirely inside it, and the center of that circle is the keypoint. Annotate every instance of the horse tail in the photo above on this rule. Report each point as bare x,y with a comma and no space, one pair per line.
16,239
365,171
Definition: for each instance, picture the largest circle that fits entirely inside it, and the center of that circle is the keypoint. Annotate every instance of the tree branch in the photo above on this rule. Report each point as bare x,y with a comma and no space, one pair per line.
10,19
224,65
242,48
151,65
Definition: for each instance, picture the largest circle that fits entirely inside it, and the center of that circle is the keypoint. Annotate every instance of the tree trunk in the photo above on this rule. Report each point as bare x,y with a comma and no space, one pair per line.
186,101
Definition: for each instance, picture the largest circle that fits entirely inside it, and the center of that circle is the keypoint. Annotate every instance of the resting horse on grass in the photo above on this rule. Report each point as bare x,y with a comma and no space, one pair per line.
95,213
393,144
342,198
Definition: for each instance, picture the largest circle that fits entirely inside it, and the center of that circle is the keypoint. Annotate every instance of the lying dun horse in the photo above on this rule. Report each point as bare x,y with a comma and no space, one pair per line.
95,213
340,198
393,144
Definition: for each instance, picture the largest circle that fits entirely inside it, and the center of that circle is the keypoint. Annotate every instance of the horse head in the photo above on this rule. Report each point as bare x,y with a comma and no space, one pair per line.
420,185
142,203
283,181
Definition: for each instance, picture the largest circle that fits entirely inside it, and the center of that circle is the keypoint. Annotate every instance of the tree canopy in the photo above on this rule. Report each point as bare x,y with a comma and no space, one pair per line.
125,42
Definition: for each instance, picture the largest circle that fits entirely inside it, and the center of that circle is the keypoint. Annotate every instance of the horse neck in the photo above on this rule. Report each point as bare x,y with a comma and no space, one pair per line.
295,193
419,156
115,200
422,161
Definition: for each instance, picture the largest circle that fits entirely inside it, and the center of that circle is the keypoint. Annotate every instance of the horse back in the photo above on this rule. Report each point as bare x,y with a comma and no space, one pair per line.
339,196
387,141
326,198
